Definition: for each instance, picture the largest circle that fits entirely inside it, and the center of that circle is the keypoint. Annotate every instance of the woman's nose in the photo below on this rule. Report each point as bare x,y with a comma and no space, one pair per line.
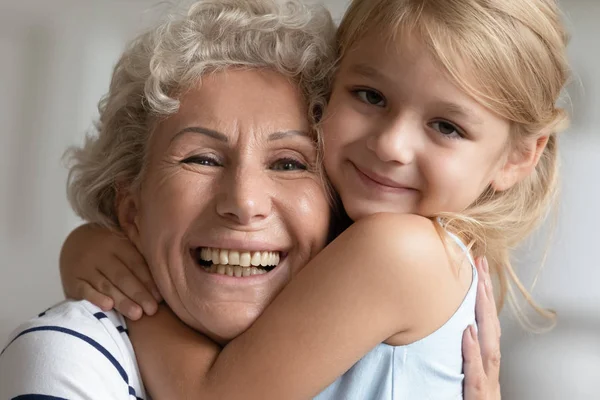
245,197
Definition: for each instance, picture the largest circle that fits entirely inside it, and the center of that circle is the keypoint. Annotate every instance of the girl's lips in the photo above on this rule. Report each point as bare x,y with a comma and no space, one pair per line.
380,183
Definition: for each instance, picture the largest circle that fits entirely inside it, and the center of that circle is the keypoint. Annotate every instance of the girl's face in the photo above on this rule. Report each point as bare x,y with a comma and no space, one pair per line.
401,137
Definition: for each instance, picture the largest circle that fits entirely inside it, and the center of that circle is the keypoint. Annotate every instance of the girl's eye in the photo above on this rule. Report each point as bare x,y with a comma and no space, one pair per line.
370,97
288,164
206,161
447,129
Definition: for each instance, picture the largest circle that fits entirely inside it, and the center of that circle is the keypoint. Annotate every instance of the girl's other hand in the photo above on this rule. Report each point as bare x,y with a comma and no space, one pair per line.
105,268
481,351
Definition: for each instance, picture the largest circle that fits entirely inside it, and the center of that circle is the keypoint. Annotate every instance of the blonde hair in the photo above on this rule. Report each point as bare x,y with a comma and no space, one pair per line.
515,51
291,38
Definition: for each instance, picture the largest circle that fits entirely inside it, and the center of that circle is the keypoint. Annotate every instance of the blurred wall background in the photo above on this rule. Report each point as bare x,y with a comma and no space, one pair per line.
55,63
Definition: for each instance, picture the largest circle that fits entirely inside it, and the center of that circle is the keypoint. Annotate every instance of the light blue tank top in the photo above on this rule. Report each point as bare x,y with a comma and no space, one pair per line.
430,368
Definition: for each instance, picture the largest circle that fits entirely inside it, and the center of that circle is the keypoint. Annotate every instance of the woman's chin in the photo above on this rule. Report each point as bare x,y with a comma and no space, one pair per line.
224,324
224,333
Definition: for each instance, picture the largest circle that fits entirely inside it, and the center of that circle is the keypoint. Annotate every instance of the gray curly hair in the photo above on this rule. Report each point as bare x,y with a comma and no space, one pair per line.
291,38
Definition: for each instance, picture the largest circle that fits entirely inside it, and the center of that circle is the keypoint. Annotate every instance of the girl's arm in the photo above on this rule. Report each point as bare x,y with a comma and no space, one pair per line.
105,268
481,350
388,277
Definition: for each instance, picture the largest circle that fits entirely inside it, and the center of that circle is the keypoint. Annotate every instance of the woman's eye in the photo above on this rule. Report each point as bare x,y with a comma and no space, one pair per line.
370,97
202,160
288,164
447,129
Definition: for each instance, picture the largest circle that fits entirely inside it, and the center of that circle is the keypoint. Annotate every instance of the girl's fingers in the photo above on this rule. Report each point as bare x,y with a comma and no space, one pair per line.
488,323
481,351
130,286
122,303
137,264
475,385
87,292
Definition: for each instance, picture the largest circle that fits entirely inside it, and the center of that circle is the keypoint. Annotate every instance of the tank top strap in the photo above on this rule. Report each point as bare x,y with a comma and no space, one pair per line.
459,242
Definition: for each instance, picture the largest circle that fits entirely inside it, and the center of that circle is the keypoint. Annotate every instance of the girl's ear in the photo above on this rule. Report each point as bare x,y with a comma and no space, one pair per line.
520,163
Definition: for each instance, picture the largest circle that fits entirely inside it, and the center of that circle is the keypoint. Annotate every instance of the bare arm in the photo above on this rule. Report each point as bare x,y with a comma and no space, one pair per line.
481,351
371,284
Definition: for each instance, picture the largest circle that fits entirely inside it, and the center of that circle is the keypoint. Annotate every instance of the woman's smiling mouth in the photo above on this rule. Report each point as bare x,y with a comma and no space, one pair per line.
236,263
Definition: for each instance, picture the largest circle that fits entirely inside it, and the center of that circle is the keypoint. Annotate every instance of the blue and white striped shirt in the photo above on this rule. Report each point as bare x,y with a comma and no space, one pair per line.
72,351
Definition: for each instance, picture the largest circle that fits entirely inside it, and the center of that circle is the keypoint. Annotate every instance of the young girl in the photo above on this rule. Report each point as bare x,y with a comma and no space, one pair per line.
440,138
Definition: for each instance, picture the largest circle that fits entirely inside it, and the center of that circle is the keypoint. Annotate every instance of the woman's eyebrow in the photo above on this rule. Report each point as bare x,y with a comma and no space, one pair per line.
202,131
285,134
223,138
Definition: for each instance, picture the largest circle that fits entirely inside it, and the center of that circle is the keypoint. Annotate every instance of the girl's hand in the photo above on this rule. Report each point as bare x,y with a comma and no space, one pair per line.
105,268
482,354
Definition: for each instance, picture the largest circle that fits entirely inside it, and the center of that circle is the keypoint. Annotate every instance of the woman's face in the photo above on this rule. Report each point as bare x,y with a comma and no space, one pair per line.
230,207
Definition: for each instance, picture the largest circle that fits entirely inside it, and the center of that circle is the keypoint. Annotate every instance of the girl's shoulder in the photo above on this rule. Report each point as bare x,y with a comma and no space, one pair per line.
433,274
400,235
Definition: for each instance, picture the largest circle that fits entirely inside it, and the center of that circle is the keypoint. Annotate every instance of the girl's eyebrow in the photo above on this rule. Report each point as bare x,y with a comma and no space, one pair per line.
461,112
367,71
451,108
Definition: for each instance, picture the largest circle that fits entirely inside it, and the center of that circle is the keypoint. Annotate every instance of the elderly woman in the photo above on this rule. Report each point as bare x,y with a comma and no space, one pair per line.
206,146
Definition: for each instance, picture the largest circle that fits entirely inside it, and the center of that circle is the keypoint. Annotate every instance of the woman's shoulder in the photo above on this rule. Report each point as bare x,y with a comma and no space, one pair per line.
65,347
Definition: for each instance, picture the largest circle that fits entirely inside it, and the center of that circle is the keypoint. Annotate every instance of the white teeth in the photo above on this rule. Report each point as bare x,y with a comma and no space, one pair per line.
223,258
245,259
237,258
234,257
205,254
236,271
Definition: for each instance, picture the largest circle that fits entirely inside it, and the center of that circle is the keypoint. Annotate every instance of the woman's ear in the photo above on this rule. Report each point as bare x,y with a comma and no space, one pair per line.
127,206
520,163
